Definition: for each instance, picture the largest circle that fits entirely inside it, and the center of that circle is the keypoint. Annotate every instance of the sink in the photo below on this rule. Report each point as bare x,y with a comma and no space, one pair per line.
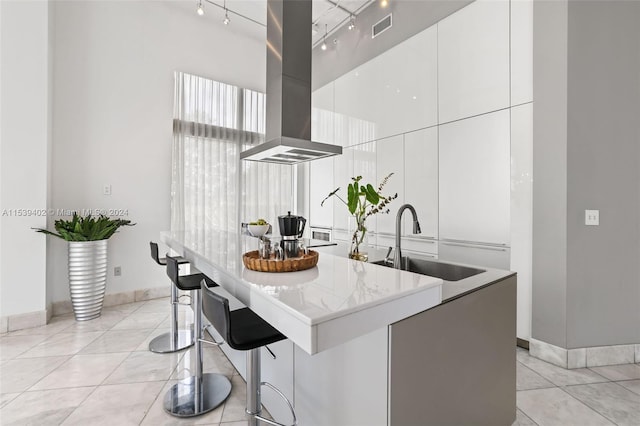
444,271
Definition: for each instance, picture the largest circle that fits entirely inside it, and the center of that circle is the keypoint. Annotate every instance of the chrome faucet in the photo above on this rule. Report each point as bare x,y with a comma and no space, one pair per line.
397,258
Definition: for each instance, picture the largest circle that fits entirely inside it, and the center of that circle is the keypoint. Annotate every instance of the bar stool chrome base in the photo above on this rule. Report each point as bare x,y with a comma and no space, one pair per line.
189,398
169,342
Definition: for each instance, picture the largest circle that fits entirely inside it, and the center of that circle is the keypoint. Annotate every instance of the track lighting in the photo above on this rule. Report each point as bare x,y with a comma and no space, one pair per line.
226,13
352,23
200,9
324,39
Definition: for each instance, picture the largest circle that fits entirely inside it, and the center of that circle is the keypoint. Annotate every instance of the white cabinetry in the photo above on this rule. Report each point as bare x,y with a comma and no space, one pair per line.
521,52
474,179
390,159
320,185
342,173
322,116
393,93
421,179
473,60
277,369
521,210
359,366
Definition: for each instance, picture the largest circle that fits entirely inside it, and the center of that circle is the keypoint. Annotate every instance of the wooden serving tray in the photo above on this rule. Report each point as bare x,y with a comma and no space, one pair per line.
252,261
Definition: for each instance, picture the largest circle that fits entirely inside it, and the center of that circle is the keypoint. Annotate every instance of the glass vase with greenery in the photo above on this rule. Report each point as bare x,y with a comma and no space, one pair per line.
363,200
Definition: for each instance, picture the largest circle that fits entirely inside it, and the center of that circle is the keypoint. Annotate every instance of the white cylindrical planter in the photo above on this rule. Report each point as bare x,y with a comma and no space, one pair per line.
87,277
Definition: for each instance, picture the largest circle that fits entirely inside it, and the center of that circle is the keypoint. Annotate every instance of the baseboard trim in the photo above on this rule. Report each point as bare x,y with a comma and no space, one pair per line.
596,356
22,321
522,343
114,299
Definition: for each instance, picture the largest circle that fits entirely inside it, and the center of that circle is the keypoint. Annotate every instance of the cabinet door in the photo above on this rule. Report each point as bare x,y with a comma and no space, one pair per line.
421,180
473,60
521,210
344,385
320,185
521,51
364,164
407,85
355,105
277,369
390,159
474,254
322,121
475,179
342,173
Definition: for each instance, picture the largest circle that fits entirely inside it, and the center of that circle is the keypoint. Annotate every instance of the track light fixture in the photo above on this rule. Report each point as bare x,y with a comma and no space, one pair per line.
200,9
323,46
226,14
352,23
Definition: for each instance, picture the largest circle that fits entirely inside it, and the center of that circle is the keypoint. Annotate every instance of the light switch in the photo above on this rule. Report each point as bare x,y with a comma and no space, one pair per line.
592,217
106,189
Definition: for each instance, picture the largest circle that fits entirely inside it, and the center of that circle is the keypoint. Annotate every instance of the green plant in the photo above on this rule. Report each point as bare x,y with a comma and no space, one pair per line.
86,228
363,200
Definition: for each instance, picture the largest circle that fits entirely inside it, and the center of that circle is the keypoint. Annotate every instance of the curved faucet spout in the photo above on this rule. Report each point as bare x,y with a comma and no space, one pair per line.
397,258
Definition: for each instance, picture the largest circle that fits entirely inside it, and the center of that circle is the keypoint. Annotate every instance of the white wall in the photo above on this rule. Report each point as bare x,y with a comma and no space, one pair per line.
23,154
112,120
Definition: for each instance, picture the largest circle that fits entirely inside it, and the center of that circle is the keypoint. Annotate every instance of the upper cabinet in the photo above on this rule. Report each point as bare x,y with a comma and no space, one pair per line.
473,60
521,51
421,180
393,93
320,185
475,179
342,173
322,116
390,160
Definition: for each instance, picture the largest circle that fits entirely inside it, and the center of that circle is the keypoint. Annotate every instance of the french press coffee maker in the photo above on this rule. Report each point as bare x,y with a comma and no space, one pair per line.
291,228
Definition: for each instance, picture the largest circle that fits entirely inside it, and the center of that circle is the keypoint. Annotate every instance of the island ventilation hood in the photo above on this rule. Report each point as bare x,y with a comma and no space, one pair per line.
288,102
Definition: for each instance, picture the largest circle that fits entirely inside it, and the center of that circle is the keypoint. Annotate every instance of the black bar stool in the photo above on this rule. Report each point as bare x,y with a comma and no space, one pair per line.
176,339
244,330
200,393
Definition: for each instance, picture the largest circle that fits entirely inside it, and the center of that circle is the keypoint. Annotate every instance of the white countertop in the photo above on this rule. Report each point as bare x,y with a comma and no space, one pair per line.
336,301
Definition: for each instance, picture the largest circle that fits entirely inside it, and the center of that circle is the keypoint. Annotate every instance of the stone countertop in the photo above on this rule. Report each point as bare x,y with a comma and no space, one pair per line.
450,289
336,301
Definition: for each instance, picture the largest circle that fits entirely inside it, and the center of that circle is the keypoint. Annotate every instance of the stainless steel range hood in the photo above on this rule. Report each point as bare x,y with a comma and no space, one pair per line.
288,109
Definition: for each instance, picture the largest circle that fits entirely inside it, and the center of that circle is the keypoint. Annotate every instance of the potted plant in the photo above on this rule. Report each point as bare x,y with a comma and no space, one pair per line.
87,237
363,200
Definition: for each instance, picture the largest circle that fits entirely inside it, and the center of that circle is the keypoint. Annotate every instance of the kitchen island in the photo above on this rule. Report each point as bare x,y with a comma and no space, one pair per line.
365,342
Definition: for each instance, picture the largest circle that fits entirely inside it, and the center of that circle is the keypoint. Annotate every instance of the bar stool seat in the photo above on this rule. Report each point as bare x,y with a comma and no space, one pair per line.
201,392
176,339
244,330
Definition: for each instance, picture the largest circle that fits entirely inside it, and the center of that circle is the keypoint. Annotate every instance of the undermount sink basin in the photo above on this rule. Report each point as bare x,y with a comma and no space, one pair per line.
444,271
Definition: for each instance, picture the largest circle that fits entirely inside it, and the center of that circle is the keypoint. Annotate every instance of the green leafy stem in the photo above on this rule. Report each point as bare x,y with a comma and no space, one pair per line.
363,200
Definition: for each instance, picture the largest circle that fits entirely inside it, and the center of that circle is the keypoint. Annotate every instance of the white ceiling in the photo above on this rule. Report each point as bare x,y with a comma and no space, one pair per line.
332,13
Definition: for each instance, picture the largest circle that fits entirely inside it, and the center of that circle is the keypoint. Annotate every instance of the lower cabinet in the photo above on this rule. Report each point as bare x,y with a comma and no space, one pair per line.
478,254
416,371
345,385
277,369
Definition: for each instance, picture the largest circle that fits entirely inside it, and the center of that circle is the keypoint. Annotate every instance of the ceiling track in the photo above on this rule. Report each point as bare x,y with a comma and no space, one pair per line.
341,23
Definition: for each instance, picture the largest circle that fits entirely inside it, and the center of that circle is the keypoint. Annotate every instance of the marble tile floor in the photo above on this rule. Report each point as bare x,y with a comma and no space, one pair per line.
101,372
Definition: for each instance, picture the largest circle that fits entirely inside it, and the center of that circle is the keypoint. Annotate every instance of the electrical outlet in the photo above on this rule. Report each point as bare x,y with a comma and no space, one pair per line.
117,271
592,217
106,189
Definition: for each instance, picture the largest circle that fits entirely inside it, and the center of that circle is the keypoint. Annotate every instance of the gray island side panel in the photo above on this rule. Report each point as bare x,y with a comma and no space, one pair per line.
455,364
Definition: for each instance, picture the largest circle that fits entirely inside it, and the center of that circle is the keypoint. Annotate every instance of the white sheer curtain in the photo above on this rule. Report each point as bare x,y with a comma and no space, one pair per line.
211,188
